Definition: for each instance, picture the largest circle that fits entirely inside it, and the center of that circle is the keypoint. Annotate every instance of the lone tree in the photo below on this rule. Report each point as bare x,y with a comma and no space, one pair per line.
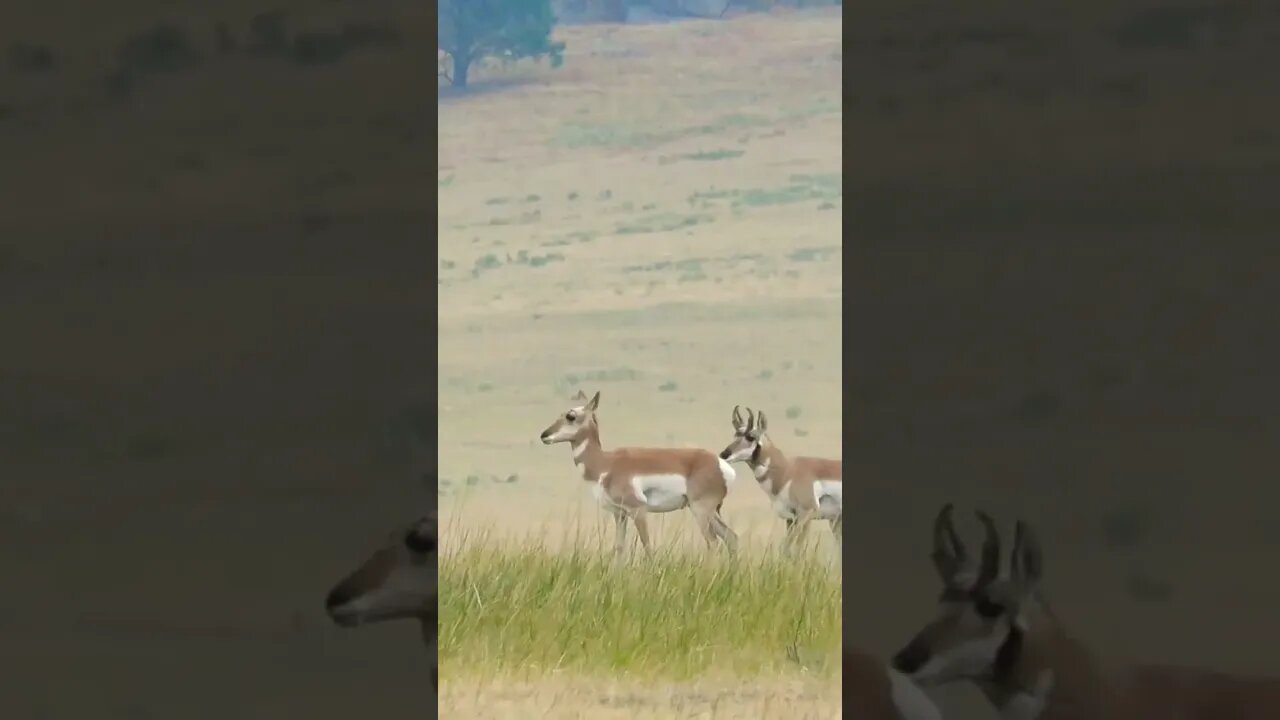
506,29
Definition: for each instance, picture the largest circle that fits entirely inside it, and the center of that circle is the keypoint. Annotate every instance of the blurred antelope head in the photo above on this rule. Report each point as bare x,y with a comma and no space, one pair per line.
398,581
980,617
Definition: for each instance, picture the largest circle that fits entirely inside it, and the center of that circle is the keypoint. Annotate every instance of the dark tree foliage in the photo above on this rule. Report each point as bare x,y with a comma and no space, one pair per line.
506,29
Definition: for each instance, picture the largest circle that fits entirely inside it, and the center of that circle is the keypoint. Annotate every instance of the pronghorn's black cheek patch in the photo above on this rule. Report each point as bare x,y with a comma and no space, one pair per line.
755,455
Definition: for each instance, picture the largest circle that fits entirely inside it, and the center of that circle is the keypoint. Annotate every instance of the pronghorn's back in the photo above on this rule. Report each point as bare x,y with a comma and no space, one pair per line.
875,691
687,460
814,468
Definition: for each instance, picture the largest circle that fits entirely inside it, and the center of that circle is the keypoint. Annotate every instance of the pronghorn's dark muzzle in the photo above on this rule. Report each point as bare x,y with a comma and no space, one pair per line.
724,454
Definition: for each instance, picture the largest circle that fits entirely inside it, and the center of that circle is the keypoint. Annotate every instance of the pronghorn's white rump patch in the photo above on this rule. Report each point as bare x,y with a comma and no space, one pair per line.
911,702
727,471
828,495
662,493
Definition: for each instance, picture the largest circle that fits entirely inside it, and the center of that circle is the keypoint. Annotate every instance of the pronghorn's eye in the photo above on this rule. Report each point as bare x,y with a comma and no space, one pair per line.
571,416
420,544
986,608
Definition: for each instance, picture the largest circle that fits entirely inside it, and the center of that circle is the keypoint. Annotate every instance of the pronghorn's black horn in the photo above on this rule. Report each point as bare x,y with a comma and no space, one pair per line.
990,551
948,550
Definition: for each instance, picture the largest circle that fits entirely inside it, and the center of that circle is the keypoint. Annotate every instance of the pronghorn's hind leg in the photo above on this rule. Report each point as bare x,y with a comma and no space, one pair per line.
702,516
720,530
725,533
713,526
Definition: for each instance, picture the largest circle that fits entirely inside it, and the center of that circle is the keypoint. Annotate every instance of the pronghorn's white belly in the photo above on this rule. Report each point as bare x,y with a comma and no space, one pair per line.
828,495
662,493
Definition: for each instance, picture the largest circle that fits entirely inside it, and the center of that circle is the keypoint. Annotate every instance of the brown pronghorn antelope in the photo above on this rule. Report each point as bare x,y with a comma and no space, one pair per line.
875,691
800,488
398,581
1001,635
630,483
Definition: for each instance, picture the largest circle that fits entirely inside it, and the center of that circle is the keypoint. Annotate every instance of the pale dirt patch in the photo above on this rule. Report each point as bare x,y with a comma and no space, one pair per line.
565,698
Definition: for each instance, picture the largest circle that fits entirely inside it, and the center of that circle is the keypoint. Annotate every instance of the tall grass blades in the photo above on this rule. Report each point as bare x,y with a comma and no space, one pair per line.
531,608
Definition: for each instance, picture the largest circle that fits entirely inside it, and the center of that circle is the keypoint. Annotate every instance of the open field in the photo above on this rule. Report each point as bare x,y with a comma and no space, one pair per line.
659,220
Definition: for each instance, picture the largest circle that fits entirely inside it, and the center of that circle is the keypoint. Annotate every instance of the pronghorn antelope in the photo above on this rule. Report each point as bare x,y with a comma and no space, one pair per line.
398,581
801,488
1001,635
630,483
875,691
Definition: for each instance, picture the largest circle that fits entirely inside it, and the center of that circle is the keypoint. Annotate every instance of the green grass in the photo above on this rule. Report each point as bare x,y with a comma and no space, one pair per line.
679,615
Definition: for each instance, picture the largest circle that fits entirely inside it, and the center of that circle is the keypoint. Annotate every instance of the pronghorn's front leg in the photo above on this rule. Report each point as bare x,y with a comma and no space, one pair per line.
620,535
641,518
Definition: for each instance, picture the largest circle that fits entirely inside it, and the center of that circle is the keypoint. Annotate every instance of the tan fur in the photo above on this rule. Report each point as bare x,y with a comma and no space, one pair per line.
1054,676
613,472
788,478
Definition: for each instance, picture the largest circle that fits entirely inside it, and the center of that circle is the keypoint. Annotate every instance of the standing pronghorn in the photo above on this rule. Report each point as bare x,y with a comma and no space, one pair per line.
801,488
1001,635
633,482
397,581
875,691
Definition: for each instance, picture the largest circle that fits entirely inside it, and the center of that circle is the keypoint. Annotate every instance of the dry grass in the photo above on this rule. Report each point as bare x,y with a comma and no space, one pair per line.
564,608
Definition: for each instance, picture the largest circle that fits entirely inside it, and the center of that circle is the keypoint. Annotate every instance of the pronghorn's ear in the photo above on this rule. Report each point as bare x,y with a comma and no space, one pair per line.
595,402
761,421
580,397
